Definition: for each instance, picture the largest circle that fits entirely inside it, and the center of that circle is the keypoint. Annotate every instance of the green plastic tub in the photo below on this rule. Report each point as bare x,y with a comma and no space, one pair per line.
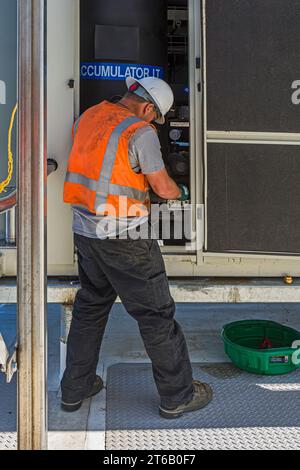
262,347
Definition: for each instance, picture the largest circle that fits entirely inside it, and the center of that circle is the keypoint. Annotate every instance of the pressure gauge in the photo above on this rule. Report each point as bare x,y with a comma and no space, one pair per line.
175,134
179,163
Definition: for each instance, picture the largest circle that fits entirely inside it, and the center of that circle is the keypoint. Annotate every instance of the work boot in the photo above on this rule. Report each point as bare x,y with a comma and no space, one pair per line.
203,395
97,387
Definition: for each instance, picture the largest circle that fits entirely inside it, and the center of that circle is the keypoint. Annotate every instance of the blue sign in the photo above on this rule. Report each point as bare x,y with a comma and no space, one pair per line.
118,71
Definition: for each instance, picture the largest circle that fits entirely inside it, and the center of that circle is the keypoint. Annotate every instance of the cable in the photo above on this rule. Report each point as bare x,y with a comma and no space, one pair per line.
10,163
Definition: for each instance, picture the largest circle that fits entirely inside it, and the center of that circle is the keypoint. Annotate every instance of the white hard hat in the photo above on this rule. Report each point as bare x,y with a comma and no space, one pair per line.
160,93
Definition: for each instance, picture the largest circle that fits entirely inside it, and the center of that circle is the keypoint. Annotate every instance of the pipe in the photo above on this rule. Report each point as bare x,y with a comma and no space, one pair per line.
31,215
10,226
7,203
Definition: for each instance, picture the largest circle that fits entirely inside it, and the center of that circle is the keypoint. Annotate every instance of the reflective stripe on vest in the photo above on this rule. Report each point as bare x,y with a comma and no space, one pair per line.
114,189
104,187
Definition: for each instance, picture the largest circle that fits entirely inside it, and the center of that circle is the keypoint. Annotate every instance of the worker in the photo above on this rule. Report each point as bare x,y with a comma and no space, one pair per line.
116,157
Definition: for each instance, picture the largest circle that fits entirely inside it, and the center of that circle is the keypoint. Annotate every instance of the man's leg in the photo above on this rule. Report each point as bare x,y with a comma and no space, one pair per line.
90,314
136,271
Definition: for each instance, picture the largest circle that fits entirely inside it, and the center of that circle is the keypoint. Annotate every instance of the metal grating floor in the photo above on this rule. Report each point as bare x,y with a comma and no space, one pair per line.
8,403
248,412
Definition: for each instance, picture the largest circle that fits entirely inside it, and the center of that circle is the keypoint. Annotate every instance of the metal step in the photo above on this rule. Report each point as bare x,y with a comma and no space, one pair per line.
248,412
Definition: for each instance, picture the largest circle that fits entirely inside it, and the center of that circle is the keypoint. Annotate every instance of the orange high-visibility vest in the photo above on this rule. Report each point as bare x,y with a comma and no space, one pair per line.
100,177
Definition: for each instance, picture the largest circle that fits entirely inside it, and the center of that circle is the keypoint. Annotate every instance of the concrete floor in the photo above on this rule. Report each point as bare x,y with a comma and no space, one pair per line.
85,429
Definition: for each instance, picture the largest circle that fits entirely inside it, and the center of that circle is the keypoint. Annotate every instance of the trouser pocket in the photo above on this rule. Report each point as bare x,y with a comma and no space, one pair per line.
159,291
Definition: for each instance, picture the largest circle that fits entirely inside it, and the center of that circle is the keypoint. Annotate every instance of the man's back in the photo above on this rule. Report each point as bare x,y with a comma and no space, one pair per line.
144,155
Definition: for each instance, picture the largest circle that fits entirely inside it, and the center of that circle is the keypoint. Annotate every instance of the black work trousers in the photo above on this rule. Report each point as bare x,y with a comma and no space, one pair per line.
134,270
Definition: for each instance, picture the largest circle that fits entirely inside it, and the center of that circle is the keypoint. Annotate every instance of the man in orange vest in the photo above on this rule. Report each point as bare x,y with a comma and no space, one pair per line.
115,159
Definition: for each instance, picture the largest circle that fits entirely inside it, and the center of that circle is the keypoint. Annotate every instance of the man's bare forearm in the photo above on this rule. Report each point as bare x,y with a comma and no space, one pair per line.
163,185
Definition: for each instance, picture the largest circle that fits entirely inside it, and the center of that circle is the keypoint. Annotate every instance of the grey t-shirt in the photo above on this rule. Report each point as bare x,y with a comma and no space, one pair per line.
144,152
